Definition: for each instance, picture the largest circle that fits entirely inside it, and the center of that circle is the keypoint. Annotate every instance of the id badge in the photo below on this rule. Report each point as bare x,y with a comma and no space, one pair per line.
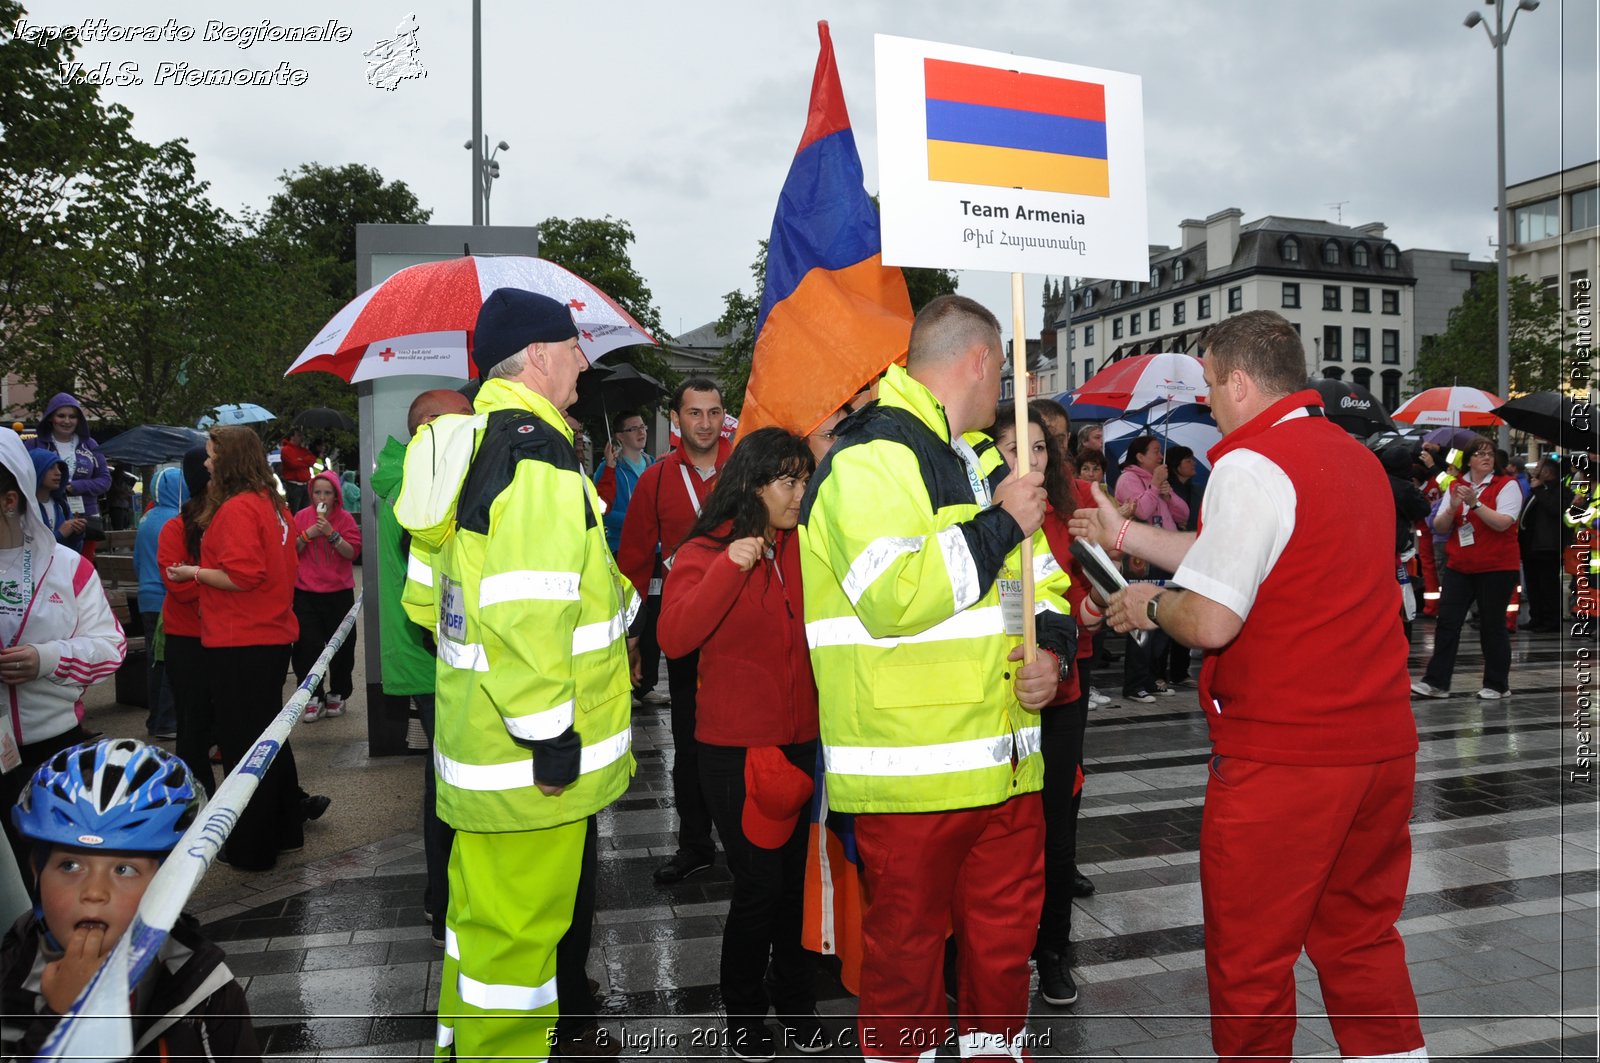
1465,534
76,504
452,610
655,587
1011,604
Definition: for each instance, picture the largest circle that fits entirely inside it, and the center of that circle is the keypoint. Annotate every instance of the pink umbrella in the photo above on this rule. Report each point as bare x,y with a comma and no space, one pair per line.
1456,406
420,320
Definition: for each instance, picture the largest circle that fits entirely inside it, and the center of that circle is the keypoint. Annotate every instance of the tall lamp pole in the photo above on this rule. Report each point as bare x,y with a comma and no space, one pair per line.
1497,40
476,143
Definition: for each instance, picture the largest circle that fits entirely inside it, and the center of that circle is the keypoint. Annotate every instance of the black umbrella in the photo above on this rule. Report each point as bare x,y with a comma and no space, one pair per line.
608,389
152,444
322,417
1410,435
1352,407
1566,420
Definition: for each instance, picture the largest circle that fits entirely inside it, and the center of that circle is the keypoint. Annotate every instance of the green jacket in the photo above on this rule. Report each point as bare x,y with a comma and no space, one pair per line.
532,616
407,663
901,551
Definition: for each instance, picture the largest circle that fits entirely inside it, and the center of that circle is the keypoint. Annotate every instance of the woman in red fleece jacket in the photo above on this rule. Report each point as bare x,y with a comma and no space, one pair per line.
247,626
733,593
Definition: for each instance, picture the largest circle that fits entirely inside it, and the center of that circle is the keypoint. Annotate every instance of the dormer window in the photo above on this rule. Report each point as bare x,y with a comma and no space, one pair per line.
1177,270
1289,249
1330,253
1116,289
1389,258
1359,255
1088,299
1155,277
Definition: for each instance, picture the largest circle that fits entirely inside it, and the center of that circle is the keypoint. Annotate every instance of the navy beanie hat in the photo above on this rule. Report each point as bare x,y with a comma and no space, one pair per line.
196,477
512,318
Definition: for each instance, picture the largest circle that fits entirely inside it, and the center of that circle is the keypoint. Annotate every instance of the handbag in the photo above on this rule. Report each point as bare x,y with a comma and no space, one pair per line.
94,529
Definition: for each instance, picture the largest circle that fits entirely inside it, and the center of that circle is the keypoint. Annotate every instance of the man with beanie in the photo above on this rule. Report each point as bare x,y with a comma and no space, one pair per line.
533,680
1305,842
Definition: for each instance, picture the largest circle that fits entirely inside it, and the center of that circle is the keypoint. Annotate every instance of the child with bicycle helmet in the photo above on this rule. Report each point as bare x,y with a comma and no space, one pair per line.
101,817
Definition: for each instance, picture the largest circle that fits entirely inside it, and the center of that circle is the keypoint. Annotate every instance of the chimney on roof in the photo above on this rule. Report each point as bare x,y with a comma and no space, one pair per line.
1194,233
1374,229
1222,239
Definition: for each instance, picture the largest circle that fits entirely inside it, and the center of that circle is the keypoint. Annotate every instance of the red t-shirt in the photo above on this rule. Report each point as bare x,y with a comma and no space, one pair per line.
180,611
251,539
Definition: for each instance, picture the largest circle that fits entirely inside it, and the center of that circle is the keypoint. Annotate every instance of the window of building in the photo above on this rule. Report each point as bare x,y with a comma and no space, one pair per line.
1330,252
1332,372
1291,296
1088,368
1155,319
1361,300
1537,221
1330,297
1135,323
1202,307
1361,345
1583,209
1289,248
1389,257
1391,389
1178,270
1391,301
1074,304
1088,335
1116,328
1360,256
1072,340
1362,377
1088,298
1391,346
1332,343
1179,314
1235,300
1135,287
1116,289
1155,276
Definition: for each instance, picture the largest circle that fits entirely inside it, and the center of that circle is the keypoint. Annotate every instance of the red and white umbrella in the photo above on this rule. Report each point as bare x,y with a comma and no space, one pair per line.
420,320
1456,406
1134,383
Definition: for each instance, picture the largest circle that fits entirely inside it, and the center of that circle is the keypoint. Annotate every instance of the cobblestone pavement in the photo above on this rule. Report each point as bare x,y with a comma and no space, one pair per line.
1500,925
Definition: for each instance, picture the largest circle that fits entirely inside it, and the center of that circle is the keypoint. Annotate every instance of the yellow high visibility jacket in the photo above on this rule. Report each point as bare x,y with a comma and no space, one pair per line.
529,613
900,551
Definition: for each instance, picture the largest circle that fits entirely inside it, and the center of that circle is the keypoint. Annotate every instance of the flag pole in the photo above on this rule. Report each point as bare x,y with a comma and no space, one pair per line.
1019,379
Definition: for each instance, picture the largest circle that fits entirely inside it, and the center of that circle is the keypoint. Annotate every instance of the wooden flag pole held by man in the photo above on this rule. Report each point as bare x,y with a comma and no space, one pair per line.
1019,380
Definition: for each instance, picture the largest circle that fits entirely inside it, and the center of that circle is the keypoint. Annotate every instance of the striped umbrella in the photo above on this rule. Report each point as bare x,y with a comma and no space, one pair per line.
1457,406
1185,424
1134,383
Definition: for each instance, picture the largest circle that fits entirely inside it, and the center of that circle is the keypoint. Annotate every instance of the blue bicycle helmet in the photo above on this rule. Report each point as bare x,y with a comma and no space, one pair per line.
116,793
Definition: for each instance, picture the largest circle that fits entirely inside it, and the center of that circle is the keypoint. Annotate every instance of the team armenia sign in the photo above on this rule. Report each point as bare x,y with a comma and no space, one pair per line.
1001,162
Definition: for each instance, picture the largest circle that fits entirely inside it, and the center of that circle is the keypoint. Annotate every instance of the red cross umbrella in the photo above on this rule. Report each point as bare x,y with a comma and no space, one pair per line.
1460,407
420,321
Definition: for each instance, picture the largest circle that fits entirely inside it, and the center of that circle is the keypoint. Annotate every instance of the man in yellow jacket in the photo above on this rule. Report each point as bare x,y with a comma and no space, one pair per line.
534,692
910,536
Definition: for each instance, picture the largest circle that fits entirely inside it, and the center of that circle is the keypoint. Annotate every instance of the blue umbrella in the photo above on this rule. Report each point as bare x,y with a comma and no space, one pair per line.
1086,412
1176,424
236,413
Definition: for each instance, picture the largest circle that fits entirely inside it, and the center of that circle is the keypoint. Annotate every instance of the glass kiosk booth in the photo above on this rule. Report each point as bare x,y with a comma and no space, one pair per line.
381,252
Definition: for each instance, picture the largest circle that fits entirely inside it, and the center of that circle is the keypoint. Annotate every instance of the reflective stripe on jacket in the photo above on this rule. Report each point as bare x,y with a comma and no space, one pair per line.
904,616
530,621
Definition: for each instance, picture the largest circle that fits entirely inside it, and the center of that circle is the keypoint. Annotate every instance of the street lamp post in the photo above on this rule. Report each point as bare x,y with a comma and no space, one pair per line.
1497,40
487,171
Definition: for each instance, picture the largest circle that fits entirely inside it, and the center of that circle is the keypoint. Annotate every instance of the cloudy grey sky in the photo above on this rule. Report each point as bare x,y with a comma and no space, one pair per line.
682,118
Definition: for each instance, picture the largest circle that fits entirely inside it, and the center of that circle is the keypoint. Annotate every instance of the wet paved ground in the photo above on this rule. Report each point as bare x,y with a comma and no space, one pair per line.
1500,925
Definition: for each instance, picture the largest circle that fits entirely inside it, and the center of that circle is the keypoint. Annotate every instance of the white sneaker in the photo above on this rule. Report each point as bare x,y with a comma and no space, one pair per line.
334,707
313,711
1424,689
655,697
1489,694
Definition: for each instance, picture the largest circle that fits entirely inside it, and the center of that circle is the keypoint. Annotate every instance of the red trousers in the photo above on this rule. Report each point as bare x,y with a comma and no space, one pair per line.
1312,857
980,870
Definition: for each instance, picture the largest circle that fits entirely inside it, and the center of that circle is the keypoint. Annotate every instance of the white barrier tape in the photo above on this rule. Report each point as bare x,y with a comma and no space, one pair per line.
106,996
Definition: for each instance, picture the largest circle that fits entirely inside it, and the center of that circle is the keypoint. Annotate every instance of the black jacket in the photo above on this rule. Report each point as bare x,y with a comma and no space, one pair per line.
189,1006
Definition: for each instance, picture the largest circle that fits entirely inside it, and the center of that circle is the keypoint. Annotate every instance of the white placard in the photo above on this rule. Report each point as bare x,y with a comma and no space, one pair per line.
1032,166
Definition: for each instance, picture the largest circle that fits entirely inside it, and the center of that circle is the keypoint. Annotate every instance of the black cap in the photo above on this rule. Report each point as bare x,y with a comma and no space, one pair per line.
512,318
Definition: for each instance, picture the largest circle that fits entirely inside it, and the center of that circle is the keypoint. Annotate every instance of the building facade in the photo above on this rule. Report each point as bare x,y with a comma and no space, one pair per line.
1555,230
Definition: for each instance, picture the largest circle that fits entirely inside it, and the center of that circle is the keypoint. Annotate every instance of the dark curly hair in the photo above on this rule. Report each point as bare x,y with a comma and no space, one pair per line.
1057,476
760,458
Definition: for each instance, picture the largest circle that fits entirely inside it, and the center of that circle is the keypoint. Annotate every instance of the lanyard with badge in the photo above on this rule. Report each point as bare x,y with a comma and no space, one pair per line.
1466,535
1010,588
11,737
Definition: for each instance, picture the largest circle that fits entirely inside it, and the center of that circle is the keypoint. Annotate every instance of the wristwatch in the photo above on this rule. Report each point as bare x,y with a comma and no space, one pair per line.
1150,609
1065,666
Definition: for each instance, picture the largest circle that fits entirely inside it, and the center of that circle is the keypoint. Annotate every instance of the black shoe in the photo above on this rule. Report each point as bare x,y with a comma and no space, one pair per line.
312,806
681,867
805,1033
1055,978
751,1041
1080,885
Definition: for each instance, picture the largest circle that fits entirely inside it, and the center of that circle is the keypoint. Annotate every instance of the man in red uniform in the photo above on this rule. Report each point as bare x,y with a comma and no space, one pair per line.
662,510
1305,840
295,461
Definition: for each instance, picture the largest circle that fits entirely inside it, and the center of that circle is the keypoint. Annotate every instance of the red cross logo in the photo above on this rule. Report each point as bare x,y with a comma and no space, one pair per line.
386,354
587,335
576,304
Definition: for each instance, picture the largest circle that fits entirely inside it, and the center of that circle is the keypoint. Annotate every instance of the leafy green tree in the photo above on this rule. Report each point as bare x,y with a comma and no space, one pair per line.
1466,353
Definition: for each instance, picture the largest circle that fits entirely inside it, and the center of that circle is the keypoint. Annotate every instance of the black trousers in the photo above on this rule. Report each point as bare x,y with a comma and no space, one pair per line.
649,648
246,693
1141,665
577,1004
319,613
767,909
191,697
694,822
1457,593
1541,577
13,782
437,835
1061,731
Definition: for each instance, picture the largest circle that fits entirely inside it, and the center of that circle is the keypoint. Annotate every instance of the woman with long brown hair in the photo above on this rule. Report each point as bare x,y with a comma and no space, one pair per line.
246,583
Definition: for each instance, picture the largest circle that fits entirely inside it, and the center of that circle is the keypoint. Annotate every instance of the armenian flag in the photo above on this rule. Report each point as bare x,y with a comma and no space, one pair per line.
832,315
988,126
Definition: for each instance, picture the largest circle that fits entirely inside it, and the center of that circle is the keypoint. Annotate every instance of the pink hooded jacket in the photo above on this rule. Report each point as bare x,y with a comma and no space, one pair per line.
321,568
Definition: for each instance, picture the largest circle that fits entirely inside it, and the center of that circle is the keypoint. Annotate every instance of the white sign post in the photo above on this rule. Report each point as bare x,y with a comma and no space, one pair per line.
994,161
